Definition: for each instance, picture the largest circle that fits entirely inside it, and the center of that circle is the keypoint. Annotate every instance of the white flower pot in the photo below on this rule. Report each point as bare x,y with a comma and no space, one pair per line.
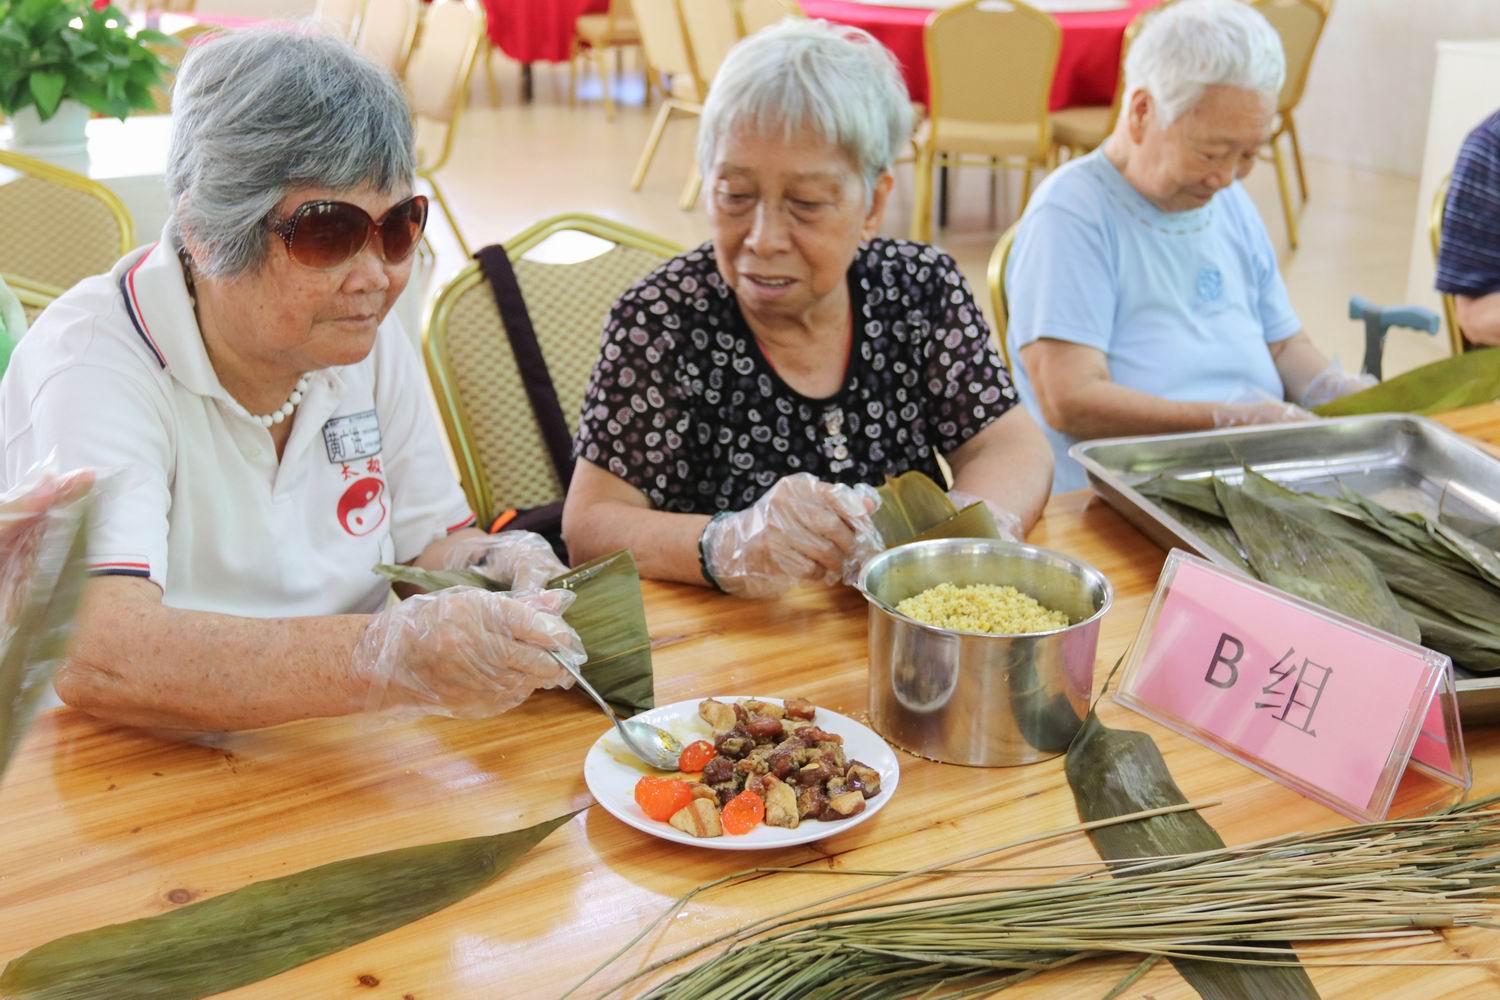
64,130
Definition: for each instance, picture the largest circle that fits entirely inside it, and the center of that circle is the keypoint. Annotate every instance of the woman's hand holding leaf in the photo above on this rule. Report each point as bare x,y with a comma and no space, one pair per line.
465,652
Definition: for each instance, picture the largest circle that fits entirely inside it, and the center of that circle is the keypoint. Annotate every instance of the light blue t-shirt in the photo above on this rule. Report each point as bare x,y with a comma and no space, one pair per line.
1183,304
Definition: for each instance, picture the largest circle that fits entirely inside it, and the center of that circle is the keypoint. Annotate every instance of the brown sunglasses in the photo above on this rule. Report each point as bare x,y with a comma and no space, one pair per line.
325,234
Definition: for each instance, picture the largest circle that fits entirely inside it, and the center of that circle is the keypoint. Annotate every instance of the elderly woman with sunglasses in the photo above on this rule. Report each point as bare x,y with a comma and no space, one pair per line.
261,432
749,390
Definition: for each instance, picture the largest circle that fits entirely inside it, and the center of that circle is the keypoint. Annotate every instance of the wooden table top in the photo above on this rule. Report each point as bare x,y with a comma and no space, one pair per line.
103,824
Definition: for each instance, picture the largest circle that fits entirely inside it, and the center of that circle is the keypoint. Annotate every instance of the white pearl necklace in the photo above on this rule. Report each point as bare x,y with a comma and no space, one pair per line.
286,409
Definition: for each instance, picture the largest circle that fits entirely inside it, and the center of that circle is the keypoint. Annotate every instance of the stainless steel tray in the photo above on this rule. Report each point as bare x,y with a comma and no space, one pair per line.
1405,462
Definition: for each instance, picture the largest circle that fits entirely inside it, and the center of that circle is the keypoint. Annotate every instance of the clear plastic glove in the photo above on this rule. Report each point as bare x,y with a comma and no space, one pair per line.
1008,523
1256,406
465,652
520,561
25,515
1334,383
801,531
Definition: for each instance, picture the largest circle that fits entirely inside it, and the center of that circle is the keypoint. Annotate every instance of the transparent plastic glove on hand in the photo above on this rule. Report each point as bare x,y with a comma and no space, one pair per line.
1334,383
520,561
1008,523
465,652
1256,406
801,531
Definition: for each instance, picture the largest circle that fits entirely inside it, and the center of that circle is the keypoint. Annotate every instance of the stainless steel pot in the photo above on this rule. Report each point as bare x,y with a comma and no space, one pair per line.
977,698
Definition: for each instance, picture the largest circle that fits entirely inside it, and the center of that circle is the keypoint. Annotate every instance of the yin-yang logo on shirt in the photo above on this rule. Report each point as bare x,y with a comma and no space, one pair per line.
362,507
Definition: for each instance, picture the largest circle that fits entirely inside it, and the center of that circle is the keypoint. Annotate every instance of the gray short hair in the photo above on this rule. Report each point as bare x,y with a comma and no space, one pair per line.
1196,44
257,112
804,74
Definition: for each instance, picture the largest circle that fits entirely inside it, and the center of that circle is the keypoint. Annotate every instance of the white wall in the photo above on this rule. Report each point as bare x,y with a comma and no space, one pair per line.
1370,89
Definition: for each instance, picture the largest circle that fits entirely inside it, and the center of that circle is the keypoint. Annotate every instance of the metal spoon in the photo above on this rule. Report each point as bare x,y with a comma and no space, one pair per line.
655,746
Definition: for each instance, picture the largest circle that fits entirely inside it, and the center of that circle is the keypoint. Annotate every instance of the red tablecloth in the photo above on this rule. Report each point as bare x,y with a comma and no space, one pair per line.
1086,67
537,30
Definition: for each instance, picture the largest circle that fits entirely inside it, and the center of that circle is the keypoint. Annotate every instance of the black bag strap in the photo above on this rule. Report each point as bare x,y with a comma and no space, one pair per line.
528,353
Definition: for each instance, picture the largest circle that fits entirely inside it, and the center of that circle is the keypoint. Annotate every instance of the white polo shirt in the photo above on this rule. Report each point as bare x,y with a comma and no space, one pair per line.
114,376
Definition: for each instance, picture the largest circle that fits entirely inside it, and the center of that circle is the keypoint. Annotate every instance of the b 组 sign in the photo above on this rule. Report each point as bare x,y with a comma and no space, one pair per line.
1309,697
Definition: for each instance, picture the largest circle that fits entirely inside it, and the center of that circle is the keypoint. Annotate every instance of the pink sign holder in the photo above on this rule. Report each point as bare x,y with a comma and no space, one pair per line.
1306,696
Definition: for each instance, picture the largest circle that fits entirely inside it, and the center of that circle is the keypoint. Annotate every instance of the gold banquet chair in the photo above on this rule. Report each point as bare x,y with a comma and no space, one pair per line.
1081,129
995,278
713,28
59,227
437,83
1456,340
387,31
597,34
670,54
502,457
341,16
757,15
990,79
1300,25
33,297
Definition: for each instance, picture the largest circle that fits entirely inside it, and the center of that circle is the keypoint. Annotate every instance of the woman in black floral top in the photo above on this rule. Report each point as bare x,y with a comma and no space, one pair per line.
746,389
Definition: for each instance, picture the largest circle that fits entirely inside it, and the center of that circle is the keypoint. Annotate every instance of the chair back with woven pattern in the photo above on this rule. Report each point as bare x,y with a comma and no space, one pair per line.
33,297
757,15
502,459
990,76
1299,23
668,49
386,32
59,227
995,278
437,75
1456,340
713,28
341,17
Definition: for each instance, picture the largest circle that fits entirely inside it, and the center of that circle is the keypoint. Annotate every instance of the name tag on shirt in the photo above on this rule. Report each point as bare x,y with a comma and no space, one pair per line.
353,437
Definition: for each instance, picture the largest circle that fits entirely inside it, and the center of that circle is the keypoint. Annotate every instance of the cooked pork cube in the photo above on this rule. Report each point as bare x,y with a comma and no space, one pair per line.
811,802
756,707
781,803
699,818
719,716
862,778
843,806
799,708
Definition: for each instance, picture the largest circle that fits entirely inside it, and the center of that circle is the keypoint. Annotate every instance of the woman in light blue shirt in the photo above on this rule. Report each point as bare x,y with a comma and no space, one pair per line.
1143,288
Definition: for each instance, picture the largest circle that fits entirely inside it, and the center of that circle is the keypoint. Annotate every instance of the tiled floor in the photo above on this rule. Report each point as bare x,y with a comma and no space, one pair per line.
516,163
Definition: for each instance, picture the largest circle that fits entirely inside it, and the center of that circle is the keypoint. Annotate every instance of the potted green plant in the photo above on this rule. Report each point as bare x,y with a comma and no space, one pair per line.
62,59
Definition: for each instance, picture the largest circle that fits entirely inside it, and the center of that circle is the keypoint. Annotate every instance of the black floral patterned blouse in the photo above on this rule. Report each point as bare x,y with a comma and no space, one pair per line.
683,405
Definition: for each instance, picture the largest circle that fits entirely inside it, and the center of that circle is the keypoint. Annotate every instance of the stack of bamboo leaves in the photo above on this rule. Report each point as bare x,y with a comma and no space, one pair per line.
1358,889
1404,573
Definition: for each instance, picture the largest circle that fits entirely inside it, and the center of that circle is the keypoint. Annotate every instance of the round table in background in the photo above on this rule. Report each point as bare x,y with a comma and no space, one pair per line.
537,30
1087,65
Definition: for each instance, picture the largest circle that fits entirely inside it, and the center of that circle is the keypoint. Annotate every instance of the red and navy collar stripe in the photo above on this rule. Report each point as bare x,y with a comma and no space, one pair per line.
467,522
133,307
120,569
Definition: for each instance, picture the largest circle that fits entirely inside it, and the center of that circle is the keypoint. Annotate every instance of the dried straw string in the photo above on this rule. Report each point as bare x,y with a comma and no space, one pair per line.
1416,875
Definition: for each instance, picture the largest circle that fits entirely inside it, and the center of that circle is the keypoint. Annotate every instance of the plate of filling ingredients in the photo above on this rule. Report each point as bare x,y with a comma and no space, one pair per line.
757,773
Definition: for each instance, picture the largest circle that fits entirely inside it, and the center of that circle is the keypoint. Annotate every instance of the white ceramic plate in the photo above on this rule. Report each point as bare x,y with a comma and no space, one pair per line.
612,772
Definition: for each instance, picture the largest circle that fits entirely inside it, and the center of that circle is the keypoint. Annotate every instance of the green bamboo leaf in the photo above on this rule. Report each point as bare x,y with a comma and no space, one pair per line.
974,521
910,504
609,616
37,640
1116,772
265,928
1292,554
1214,531
1466,379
